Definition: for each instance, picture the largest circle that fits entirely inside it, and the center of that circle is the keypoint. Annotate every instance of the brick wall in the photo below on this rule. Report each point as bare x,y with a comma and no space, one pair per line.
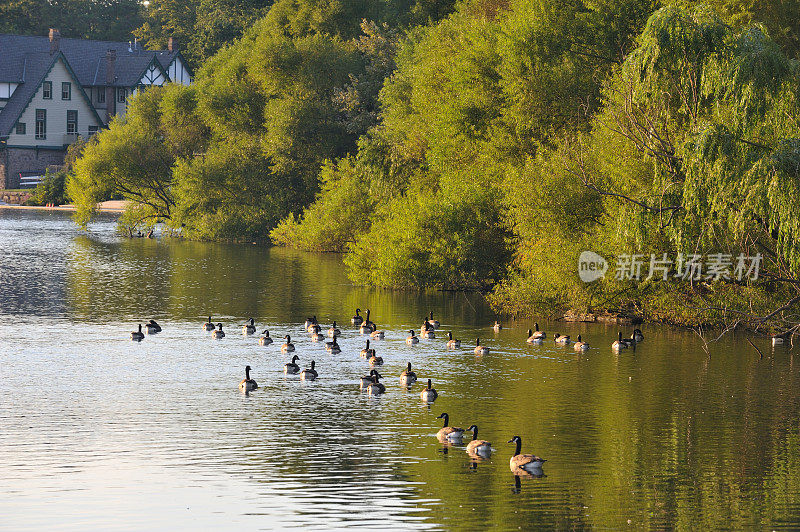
29,161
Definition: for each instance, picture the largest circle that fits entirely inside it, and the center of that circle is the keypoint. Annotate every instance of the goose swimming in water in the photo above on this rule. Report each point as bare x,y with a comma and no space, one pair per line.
209,325
448,433
316,335
265,338
426,331
497,326
559,339
357,319
478,447
452,344
138,335
377,335
376,388
412,338
367,352
366,380
375,360
428,394
247,384
580,345
310,322
637,335
287,346
480,349
334,331
249,328
526,463
153,327
369,324
309,374
291,368
536,335
218,332
333,347
408,377
433,322
619,343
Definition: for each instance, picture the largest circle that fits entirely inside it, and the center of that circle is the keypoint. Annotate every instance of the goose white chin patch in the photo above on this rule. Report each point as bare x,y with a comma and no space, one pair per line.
591,266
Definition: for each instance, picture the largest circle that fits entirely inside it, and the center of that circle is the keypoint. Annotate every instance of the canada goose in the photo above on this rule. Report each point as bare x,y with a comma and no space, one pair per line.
247,384
209,325
480,349
287,346
478,447
447,433
408,377
218,332
316,336
153,327
249,328
452,344
497,326
537,334
426,326
371,325
427,331
310,322
292,367
412,338
777,340
580,345
357,319
619,343
138,335
265,338
333,347
429,394
366,380
433,322
376,388
377,335
637,335
559,339
524,462
375,360
334,331
367,352
309,374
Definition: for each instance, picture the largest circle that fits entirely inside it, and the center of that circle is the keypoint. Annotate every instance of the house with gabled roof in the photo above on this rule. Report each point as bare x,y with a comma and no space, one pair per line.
53,90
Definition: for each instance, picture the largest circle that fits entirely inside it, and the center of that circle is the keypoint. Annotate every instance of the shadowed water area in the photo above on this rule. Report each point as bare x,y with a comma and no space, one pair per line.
102,432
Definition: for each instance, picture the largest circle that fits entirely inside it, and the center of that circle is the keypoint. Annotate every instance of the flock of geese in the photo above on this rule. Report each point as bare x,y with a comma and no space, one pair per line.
527,464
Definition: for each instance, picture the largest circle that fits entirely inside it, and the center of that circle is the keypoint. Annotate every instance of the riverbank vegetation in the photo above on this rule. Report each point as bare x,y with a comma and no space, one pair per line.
486,145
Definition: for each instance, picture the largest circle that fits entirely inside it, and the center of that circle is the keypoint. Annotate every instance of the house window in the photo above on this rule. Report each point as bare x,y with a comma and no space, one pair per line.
122,95
92,130
20,128
47,90
41,124
66,90
101,95
72,122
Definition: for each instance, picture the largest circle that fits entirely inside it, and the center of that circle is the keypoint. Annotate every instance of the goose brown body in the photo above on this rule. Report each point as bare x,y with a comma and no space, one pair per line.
429,394
247,383
524,462
408,377
478,447
448,433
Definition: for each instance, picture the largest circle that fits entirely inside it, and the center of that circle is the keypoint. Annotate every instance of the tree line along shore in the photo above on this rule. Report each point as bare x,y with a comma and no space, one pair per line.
484,145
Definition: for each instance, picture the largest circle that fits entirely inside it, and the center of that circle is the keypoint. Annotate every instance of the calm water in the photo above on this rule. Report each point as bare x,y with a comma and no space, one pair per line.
101,432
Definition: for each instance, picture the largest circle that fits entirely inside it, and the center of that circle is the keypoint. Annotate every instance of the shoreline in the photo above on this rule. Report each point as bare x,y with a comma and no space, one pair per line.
112,206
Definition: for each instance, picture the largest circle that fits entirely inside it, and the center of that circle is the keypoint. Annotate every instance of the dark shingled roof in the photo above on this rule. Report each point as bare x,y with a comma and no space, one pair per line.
26,59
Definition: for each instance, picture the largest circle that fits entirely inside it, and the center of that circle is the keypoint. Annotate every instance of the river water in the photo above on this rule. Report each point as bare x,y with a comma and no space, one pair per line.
99,432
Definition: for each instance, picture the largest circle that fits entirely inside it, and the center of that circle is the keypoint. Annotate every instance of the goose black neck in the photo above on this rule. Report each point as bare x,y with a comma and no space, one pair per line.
477,342
536,326
209,319
408,368
530,332
313,364
429,384
446,420
247,373
519,446
475,433
140,327
367,344
288,338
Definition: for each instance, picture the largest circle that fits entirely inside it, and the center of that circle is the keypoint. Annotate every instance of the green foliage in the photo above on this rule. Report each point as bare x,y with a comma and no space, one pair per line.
433,240
51,189
111,20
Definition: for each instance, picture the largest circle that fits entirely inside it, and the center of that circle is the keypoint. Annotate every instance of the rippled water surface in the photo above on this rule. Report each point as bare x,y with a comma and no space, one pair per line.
99,432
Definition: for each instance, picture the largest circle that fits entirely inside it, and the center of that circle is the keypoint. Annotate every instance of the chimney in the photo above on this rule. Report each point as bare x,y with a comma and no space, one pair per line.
172,44
111,102
55,40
